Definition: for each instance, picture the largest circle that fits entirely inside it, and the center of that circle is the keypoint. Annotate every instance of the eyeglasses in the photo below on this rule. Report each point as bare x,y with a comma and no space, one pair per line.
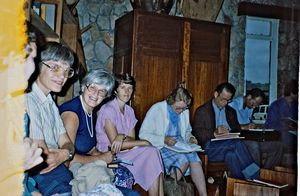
181,108
68,73
93,89
224,99
227,100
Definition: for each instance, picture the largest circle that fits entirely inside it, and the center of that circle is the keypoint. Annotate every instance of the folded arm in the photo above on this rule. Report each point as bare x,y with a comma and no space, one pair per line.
121,141
71,123
55,156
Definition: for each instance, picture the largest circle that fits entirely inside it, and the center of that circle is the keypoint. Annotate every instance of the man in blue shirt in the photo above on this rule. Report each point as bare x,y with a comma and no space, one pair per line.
215,118
244,106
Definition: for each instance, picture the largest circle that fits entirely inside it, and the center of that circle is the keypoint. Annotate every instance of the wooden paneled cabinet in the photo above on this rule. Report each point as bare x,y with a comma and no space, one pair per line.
162,50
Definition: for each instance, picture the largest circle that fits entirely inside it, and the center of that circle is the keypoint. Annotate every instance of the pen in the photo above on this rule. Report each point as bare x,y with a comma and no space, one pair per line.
117,160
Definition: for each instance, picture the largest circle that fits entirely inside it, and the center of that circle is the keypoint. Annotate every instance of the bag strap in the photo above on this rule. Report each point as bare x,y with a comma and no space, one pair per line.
175,173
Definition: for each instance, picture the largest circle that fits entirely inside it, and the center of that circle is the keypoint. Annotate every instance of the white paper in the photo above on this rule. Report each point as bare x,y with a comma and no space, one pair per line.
184,147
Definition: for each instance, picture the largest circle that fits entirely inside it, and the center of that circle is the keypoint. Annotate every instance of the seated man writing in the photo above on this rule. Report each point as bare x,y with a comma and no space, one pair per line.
244,106
46,126
214,118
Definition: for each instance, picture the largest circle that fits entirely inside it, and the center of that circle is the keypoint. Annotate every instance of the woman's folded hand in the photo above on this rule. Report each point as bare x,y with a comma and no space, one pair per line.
170,141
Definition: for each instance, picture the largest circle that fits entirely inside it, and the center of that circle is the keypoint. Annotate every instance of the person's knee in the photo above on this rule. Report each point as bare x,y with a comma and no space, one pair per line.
151,151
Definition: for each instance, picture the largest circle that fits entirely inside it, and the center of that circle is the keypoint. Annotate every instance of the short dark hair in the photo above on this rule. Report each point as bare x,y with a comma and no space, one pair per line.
180,94
56,52
227,86
256,92
123,78
291,87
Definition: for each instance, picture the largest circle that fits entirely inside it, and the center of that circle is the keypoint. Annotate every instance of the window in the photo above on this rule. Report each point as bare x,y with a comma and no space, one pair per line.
261,56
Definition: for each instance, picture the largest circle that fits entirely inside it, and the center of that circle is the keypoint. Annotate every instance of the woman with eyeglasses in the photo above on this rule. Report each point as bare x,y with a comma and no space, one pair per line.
168,123
78,118
115,130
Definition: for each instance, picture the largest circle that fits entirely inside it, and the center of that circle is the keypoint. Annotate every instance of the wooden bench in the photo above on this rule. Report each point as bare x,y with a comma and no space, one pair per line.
243,187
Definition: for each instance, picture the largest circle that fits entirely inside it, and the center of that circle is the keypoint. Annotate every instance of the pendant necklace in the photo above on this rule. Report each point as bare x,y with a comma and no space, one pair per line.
91,130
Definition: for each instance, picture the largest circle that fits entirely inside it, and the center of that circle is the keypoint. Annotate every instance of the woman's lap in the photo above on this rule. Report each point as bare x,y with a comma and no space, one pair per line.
147,164
171,158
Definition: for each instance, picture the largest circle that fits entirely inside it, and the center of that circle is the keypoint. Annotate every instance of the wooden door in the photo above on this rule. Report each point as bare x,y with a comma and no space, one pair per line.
157,60
208,60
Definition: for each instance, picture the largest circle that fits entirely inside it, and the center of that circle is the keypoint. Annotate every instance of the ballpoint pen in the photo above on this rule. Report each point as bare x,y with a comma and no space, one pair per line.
117,160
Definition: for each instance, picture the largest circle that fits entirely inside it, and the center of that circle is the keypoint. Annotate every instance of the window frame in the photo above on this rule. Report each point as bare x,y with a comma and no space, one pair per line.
273,62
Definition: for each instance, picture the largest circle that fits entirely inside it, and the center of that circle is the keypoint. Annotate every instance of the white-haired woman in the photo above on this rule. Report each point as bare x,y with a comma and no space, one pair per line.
168,122
77,115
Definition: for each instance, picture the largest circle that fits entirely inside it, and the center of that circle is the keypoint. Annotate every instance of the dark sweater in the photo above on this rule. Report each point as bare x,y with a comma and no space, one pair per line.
204,123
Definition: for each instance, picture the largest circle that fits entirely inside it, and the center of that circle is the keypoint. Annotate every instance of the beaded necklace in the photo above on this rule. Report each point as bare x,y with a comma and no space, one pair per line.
87,115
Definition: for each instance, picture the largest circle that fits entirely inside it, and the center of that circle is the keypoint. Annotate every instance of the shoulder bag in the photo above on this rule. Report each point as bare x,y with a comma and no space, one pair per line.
174,187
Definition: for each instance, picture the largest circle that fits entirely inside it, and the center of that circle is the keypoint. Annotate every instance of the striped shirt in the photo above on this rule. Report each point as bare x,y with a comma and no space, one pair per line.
45,121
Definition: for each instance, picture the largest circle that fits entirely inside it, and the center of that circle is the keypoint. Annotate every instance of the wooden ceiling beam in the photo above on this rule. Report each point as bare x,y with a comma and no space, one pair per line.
268,11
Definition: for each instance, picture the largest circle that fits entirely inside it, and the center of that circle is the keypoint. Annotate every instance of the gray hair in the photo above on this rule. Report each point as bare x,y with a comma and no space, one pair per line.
101,77
56,52
180,94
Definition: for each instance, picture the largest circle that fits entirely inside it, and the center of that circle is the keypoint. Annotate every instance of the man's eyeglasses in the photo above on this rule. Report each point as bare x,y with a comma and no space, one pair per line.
227,100
93,89
222,99
68,73
181,108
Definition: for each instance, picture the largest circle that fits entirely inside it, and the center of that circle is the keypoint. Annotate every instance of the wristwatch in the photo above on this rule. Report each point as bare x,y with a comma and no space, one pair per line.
71,155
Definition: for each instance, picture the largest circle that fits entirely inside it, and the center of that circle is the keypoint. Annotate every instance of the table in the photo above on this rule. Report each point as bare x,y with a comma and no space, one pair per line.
261,135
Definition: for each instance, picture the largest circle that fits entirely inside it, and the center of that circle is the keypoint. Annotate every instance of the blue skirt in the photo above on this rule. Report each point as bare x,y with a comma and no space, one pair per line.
171,158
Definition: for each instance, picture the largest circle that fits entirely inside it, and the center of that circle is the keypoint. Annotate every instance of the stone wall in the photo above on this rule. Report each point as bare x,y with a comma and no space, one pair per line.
288,53
288,45
98,41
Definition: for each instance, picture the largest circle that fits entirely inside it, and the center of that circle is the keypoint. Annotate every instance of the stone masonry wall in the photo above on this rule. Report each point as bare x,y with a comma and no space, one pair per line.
288,44
98,41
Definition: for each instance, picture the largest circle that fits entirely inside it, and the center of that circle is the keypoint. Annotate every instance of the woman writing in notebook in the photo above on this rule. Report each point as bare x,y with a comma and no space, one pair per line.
167,123
115,129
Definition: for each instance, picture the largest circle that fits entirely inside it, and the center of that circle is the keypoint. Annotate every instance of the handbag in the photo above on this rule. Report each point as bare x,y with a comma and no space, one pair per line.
173,187
123,177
